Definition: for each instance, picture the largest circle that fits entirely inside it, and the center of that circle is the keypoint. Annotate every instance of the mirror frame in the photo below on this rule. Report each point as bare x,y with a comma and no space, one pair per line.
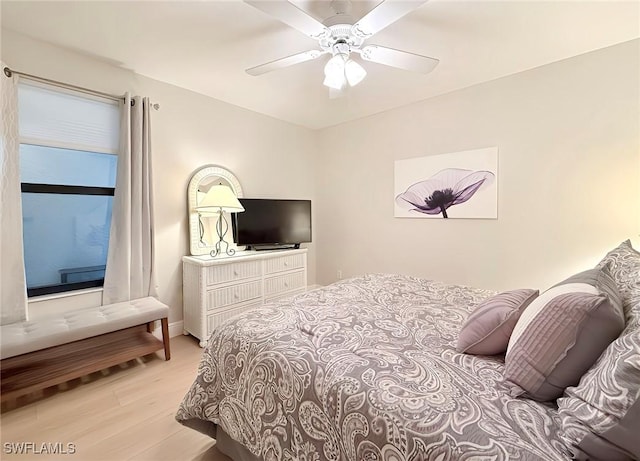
208,171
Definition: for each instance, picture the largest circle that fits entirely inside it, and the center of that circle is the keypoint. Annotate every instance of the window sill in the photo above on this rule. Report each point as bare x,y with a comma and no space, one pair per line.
57,304
66,294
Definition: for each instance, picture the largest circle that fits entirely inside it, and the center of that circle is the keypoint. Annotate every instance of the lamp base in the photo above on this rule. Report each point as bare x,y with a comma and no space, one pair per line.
218,249
222,226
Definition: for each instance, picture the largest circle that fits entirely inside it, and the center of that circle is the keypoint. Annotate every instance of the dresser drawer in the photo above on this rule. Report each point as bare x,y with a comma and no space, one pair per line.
284,263
216,289
234,294
230,272
282,283
214,320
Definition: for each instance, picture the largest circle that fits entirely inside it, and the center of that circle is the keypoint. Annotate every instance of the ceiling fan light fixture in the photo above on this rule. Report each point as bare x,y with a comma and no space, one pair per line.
340,37
340,71
334,72
336,83
354,72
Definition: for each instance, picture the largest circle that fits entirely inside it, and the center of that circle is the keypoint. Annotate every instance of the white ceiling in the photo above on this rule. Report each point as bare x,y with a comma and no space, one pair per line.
206,45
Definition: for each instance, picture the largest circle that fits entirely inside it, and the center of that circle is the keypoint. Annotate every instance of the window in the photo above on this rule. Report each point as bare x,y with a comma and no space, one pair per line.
68,160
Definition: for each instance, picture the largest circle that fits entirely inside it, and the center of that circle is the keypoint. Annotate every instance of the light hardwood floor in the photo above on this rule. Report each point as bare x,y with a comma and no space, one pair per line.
124,413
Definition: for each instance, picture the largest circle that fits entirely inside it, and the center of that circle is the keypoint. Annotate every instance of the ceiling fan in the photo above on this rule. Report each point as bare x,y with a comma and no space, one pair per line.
340,37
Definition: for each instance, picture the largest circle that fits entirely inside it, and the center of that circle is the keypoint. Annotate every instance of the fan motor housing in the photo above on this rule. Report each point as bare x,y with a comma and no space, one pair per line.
342,39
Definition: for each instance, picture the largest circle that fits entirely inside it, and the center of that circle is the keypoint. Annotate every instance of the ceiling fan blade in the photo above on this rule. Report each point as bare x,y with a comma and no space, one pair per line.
383,15
400,59
288,13
285,62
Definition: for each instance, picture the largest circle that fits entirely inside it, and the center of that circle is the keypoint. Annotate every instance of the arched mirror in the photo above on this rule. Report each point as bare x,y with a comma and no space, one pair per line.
202,225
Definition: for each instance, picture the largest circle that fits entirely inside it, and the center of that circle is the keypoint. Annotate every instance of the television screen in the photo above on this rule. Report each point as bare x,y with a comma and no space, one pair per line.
273,222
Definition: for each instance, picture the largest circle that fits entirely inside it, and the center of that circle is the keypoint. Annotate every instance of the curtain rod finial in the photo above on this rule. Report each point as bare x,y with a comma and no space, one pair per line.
7,72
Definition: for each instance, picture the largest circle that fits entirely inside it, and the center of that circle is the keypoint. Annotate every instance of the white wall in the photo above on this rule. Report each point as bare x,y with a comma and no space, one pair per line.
569,169
271,158
569,177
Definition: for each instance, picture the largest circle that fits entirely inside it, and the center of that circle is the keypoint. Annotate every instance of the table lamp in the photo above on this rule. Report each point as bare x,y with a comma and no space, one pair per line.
218,199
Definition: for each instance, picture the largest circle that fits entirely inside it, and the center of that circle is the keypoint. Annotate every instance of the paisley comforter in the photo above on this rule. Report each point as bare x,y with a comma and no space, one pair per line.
365,369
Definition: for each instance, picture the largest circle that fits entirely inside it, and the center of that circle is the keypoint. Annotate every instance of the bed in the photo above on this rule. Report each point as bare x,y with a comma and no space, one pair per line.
371,369
364,369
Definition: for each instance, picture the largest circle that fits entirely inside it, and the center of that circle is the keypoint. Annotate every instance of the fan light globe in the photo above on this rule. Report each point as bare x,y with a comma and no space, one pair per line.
334,72
354,72
334,83
341,70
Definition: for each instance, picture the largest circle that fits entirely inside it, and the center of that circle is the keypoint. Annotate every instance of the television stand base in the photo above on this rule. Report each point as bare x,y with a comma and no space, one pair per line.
295,246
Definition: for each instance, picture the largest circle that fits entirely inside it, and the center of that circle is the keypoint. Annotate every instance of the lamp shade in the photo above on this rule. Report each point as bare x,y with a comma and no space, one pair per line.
220,197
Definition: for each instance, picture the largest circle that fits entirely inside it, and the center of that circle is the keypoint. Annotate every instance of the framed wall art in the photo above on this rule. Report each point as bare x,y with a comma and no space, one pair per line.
455,185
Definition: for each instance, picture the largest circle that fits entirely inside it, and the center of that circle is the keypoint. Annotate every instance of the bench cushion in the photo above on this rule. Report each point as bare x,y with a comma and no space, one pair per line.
23,337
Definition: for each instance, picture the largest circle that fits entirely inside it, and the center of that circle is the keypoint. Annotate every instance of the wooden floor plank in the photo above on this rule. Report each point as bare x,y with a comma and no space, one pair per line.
184,444
126,412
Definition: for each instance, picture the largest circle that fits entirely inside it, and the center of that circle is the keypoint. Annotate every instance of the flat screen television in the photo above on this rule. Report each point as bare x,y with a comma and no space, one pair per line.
272,223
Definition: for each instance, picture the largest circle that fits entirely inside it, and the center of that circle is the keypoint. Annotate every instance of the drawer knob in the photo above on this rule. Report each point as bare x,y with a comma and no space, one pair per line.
236,296
286,263
235,273
286,284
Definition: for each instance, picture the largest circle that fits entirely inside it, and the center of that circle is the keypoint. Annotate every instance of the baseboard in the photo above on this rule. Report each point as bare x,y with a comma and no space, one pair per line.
175,329
313,287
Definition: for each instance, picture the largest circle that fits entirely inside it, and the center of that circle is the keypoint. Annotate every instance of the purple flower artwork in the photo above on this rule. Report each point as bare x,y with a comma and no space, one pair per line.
443,190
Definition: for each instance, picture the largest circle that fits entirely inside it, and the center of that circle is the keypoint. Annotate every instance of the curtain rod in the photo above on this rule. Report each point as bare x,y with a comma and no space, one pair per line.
9,73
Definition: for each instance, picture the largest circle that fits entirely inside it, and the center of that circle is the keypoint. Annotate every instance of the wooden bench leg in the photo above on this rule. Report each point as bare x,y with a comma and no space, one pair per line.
165,338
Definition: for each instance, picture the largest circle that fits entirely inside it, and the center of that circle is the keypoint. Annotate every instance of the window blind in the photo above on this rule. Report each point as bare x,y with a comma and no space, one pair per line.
60,119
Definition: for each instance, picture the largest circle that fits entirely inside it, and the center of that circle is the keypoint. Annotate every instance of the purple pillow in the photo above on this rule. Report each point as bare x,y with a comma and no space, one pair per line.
601,416
488,328
623,263
562,333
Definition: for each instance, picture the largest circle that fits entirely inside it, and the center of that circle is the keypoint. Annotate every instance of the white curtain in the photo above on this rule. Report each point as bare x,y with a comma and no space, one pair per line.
13,290
130,261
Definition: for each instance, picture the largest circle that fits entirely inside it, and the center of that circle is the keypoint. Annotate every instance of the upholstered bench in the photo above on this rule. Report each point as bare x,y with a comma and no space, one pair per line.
43,353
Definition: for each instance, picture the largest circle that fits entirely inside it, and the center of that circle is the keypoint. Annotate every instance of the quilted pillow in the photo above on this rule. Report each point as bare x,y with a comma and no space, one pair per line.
600,419
488,328
562,333
624,265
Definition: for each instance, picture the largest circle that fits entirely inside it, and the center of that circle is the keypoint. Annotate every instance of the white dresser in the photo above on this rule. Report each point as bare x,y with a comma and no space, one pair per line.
215,289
